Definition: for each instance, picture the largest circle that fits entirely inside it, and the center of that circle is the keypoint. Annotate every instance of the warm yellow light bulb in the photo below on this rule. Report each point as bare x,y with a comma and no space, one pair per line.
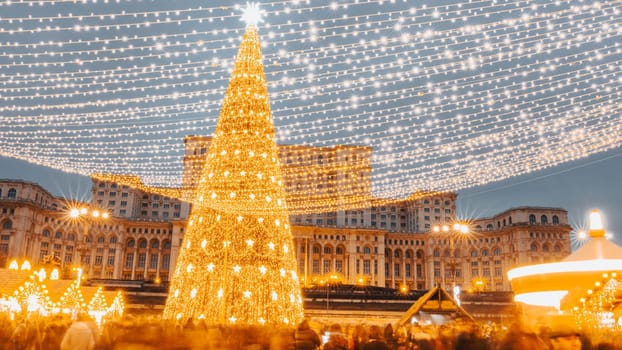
74,213
596,222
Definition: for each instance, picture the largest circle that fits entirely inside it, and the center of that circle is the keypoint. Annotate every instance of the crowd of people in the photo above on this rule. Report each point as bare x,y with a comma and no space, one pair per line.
81,333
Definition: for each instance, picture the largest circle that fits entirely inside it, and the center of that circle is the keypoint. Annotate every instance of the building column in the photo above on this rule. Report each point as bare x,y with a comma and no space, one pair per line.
118,263
134,253
147,255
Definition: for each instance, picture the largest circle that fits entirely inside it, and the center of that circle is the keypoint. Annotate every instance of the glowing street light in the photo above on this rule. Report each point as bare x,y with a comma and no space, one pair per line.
456,229
85,215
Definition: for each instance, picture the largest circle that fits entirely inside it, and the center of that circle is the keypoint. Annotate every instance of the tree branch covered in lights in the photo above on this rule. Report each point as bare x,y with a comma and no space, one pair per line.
237,262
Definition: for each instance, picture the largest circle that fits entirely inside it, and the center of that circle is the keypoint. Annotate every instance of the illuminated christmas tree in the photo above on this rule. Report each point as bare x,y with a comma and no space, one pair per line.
237,263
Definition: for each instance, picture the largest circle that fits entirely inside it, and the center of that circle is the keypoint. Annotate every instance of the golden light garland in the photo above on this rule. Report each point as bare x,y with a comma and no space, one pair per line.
448,96
237,262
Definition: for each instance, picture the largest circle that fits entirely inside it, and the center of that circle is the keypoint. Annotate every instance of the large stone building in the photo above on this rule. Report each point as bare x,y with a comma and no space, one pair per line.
342,173
393,244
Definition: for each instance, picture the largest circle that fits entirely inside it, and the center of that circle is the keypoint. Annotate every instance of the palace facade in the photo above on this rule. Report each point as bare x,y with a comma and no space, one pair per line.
409,243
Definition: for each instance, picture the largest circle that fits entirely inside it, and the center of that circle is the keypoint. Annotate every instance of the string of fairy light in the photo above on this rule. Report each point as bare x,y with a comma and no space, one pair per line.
448,96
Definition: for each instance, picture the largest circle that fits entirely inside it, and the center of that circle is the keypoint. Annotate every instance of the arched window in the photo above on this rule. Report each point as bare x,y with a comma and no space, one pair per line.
497,251
397,253
457,253
556,248
555,219
7,225
142,243
155,244
474,253
167,244
12,193
88,239
366,250
534,247
316,249
71,237
58,235
339,250
101,239
489,227
327,250
113,239
545,248
446,253
131,243
408,254
510,220
436,253
532,219
419,254
544,219
485,252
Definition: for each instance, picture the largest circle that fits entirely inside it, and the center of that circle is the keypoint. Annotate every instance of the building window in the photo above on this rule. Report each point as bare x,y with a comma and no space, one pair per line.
141,260
326,266
555,220
166,261
419,271
153,264
316,266
544,219
129,260
98,259
12,193
396,270
7,225
339,265
498,272
532,219
110,260
366,267
407,271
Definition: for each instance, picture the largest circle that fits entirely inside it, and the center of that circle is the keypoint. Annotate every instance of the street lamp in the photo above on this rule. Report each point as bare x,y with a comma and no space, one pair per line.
457,230
85,216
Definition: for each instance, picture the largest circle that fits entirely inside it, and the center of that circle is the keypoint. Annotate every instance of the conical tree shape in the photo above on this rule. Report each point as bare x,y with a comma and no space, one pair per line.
237,263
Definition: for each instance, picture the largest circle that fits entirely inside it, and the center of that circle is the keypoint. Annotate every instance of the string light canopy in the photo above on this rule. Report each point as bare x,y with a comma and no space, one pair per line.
447,96
237,263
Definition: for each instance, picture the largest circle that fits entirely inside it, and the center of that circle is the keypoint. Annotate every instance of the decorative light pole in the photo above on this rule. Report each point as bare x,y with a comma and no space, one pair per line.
457,230
86,217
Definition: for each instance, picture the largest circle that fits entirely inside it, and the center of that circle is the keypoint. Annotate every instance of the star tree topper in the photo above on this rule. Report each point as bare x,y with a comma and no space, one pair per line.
252,14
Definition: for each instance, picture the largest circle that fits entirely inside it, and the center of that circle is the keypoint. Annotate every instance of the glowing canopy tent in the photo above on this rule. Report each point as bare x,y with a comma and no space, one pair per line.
564,285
